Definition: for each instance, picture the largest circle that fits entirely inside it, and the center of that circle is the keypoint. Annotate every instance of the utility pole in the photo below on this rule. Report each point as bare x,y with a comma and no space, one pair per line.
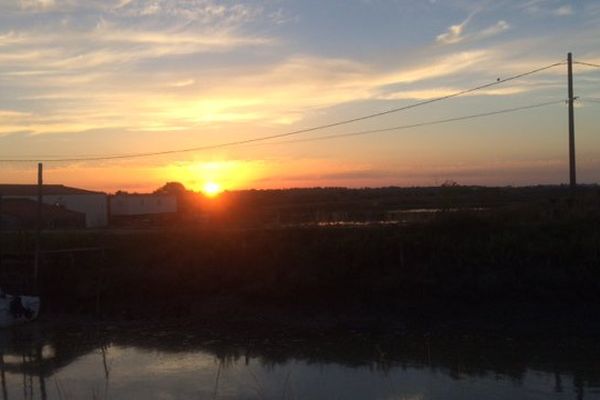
572,174
1,240
38,228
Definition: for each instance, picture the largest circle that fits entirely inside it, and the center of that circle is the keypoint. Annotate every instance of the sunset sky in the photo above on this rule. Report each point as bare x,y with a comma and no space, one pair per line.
104,77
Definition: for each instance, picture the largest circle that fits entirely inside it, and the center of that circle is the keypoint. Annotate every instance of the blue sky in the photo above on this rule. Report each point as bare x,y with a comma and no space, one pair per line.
110,77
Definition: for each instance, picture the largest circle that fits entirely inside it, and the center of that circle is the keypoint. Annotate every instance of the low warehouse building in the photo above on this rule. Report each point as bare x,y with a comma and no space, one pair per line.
125,204
137,210
93,205
23,214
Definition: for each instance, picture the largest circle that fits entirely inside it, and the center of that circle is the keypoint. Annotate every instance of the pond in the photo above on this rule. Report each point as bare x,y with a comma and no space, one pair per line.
101,361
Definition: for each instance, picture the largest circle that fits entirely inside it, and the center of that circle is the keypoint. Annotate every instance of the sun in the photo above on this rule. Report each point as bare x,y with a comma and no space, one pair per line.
211,189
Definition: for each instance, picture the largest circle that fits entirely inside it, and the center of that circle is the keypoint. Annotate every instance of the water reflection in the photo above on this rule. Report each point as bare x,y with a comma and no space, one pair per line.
67,361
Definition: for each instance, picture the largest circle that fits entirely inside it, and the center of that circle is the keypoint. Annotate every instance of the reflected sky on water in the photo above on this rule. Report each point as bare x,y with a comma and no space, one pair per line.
42,362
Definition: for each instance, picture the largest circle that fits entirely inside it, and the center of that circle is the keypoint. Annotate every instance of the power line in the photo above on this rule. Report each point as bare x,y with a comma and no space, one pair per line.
586,63
286,134
421,124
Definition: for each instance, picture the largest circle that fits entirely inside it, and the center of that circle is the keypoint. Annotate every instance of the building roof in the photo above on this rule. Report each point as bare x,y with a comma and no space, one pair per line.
31,190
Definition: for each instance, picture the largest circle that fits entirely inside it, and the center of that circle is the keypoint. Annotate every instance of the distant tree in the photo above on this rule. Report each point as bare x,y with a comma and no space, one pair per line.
174,188
187,200
450,183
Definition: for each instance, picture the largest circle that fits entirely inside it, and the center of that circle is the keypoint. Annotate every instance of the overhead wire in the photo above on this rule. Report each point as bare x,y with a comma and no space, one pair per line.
587,64
499,81
422,124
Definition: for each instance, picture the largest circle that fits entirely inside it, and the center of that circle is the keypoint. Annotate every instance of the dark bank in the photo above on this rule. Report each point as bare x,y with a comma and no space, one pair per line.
542,254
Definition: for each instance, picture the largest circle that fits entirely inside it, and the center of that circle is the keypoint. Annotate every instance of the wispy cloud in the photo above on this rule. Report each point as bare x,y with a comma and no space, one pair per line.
547,8
37,4
533,6
438,67
454,34
7,115
279,94
495,29
457,33
200,11
114,70
113,44
563,10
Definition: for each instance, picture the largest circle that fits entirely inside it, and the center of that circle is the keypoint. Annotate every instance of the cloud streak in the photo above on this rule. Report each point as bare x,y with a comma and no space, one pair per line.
456,33
280,94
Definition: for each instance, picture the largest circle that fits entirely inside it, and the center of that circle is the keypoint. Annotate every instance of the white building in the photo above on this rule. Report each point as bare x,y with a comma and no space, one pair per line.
125,204
92,204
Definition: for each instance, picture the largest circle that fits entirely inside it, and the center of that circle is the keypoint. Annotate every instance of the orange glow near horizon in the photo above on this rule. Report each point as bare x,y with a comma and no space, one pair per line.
214,177
211,189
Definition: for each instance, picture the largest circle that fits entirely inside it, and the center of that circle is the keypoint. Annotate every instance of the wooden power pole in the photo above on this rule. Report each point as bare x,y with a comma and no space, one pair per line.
1,240
38,228
572,173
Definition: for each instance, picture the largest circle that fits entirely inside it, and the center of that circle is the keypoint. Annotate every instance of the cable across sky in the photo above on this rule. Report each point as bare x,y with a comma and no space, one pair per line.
427,123
587,64
499,81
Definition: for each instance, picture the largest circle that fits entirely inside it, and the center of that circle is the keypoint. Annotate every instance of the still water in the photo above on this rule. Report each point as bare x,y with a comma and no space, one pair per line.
44,361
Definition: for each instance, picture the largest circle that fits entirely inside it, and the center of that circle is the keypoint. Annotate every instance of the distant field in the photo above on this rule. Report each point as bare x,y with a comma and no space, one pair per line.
293,206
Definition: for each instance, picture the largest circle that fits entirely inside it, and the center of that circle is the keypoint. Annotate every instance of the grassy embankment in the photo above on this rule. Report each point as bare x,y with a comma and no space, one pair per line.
541,253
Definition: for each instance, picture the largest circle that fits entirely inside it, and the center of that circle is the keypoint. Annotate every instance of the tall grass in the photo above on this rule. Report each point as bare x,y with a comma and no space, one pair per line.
537,253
